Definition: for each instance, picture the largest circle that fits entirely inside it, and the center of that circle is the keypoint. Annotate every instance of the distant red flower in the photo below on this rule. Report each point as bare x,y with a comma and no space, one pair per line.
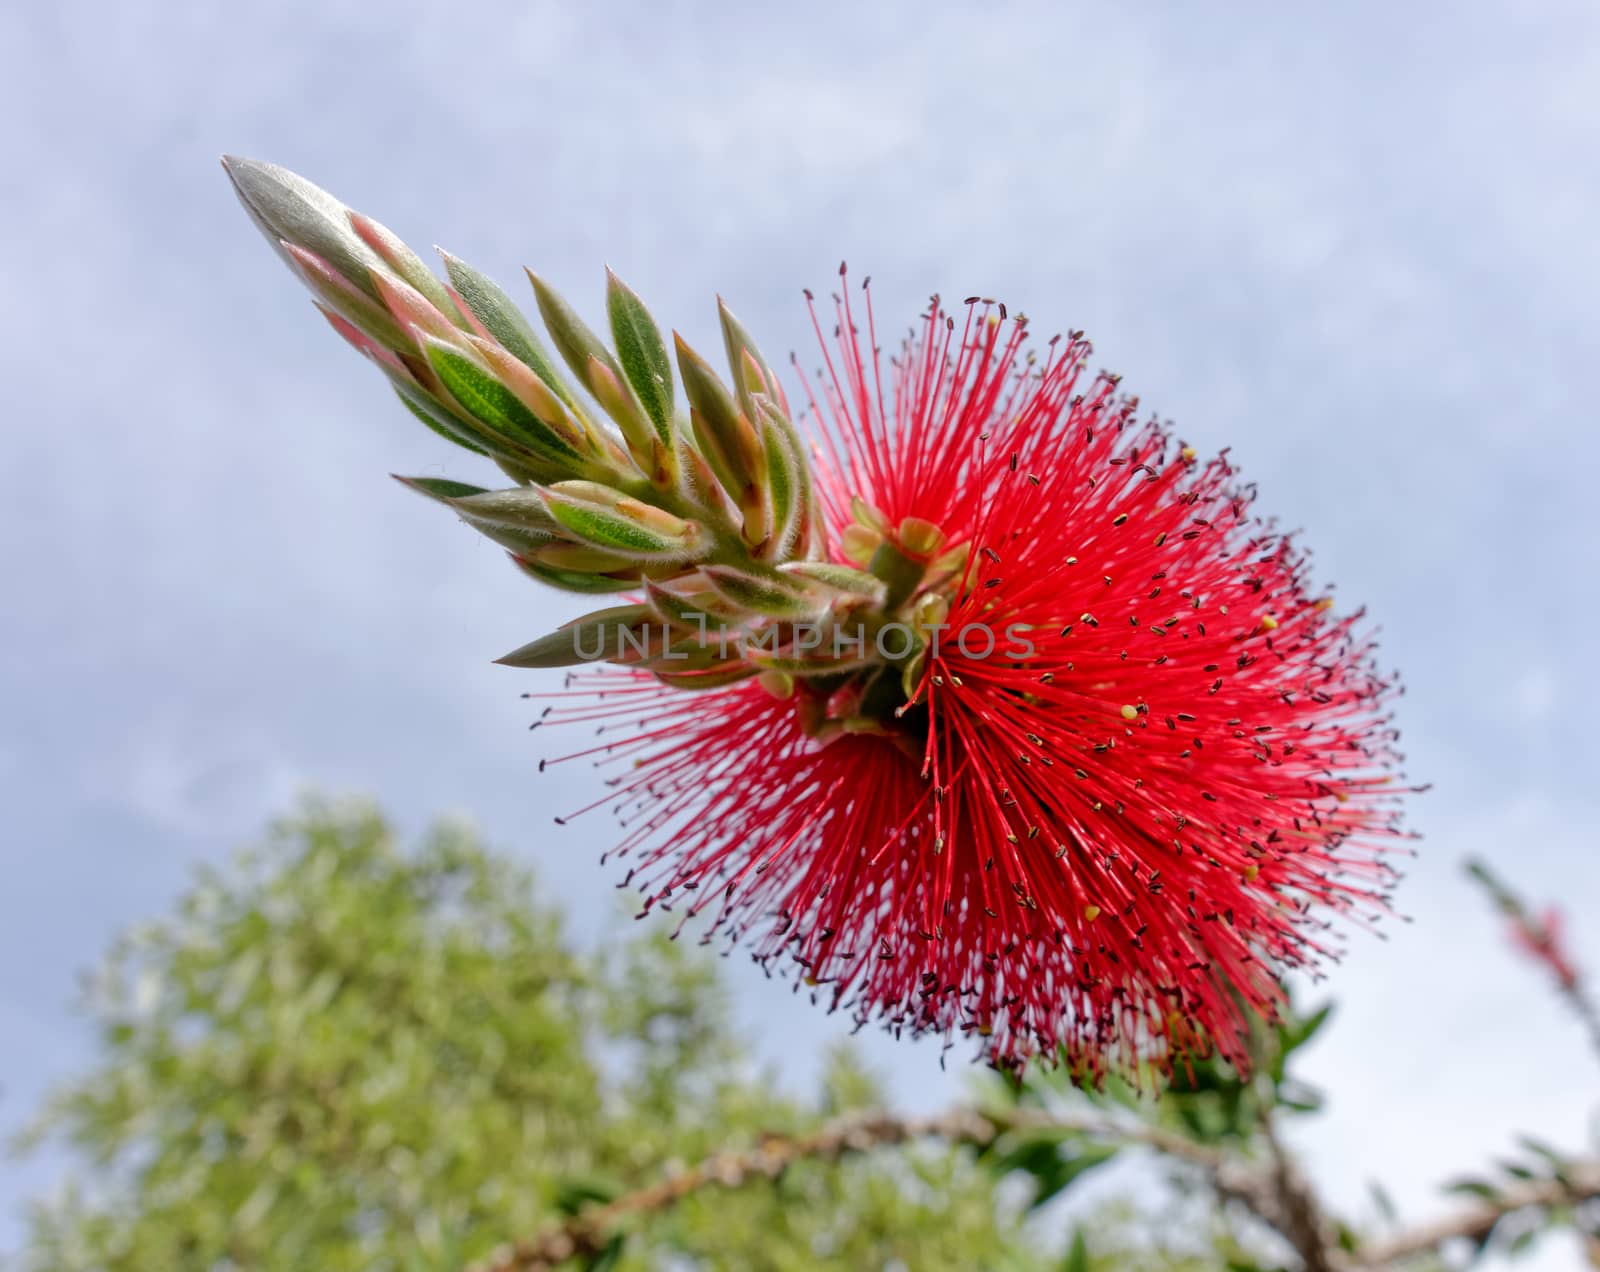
1097,849
1541,938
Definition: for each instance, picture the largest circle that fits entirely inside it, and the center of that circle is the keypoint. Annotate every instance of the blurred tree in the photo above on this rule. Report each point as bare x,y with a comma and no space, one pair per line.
340,1055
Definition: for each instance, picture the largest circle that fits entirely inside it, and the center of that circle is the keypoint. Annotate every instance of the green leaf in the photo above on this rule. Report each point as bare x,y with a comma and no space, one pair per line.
574,341
440,488
446,426
706,610
737,342
1054,1162
770,595
597,637
608,1258
522,507
1077,1259
576,1192
845,579
504,321
494,405
794,523
725,437
642,353
618,530
574,581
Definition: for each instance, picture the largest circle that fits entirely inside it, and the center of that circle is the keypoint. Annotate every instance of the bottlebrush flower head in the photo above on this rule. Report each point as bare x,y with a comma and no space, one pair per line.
986,706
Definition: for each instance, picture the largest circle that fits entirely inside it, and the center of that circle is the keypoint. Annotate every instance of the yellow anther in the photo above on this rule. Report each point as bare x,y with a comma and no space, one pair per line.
1129,712
1268,622
1325,603
1091,912
1250,873
1188,454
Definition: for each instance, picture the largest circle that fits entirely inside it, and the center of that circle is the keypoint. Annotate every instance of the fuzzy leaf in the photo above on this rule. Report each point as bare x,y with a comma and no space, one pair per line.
287,209
490,402
573,340
642,354
522,507
593,638
572,580
769,595
838,578
446,426
627,527
505,322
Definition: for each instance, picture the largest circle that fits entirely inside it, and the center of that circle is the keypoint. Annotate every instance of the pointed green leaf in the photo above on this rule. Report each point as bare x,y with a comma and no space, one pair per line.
440,488
642,354
574,581
595,637
737,341
700,611
521,507
445,425
573,340
771,595
843,579
495,406
505,322
618,530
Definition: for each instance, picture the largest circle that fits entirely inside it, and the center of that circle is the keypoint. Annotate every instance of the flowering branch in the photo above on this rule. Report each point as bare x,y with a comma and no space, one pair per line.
1539,935
1024,724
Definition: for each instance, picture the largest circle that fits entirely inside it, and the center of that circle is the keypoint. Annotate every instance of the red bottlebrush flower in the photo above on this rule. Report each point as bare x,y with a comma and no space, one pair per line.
1137,767
1016,722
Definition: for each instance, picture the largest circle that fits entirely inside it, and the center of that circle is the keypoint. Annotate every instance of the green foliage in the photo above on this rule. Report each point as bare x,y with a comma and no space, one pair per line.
337,1054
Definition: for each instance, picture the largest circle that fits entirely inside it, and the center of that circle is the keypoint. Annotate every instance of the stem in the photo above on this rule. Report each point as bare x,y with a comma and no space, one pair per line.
900,572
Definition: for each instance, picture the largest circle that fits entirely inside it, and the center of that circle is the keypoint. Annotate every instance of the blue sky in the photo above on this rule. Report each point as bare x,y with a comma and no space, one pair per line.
1359,248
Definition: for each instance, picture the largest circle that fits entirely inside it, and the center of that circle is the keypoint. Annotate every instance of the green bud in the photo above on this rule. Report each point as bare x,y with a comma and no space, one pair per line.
289,210
347,300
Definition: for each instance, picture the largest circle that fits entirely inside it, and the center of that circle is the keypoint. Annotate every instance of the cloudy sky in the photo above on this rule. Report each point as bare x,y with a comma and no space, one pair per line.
1358,248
